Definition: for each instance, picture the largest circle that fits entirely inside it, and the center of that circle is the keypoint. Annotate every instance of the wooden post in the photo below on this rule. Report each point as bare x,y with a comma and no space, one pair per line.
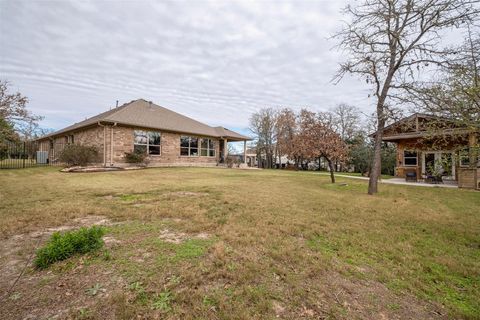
473,154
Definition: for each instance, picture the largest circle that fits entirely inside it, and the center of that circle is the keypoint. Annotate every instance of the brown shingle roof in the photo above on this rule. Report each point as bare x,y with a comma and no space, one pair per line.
141,113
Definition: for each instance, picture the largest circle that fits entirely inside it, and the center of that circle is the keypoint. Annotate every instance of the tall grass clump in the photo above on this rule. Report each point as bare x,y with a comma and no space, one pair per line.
64,245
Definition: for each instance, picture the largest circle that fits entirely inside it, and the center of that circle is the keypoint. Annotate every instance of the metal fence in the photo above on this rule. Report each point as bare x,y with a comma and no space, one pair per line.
17,155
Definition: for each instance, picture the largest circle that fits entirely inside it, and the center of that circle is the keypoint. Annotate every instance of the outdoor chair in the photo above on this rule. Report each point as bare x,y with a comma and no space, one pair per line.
411,176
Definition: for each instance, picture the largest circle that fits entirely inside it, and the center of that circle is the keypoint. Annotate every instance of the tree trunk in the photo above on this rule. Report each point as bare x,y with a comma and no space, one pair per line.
279,160
377,155
332,173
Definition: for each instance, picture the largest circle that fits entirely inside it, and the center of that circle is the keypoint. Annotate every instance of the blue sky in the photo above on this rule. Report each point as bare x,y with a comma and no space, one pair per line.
217,61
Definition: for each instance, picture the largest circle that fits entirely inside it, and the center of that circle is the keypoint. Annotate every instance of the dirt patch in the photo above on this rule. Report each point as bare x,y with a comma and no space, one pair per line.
65,295
186,194
178,237
16,252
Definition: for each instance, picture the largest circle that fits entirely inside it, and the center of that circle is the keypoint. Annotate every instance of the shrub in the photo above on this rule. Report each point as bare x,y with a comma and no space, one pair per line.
136,157
62,246
233,161
78,155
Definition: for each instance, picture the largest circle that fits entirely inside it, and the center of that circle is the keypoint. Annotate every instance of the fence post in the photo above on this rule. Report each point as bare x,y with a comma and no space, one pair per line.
23,155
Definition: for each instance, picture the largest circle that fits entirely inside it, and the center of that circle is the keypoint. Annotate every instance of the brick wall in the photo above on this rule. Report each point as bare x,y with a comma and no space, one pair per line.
169,153
123,142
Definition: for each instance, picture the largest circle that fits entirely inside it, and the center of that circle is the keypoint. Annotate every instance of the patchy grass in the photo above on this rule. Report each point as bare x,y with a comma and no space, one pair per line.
273,244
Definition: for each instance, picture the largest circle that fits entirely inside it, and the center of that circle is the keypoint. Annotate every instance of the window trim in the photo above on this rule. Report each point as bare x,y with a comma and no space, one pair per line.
465,154
209,148
416,159
199,147
147,145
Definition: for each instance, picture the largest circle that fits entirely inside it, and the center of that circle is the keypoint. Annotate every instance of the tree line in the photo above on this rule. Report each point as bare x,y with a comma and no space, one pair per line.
338,138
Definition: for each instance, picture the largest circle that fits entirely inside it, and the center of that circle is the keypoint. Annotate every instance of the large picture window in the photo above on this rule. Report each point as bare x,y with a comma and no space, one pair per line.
193,147
207,147
189,146
410,158
147,142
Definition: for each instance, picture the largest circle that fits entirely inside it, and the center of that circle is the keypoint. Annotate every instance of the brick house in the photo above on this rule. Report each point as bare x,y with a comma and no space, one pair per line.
426,143
169,138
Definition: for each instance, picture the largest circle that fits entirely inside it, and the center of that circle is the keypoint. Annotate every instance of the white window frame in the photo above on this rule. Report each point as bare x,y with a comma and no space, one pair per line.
190,147
416,159
210,147
147,144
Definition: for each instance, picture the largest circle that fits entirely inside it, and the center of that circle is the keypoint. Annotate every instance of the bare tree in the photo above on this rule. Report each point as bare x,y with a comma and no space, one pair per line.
456,92
390,42
285,132
263,126
346,119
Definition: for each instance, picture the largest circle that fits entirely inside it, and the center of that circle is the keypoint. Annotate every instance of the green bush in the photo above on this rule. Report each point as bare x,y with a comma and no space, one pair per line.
62,246
136,157
78,155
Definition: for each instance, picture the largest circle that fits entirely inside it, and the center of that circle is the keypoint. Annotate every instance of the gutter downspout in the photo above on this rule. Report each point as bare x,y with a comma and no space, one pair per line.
111,145
104,143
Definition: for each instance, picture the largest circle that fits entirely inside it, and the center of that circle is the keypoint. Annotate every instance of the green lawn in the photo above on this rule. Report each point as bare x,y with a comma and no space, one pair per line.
196,243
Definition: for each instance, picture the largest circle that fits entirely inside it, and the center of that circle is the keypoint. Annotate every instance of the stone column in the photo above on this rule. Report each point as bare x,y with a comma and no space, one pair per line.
225,149
245,151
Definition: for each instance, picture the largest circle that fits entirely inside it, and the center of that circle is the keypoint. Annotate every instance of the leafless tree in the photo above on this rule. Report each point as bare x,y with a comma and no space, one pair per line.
455,94
346,120
285,132
263,126
390,42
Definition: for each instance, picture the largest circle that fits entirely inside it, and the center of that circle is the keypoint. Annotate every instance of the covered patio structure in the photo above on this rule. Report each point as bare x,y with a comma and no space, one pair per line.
434,150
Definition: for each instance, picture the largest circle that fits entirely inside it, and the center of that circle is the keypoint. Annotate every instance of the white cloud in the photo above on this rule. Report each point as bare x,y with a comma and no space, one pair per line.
215,61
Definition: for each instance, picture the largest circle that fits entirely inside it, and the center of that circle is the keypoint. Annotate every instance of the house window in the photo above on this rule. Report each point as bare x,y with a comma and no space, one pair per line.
69,139
207,147
464,156
410,158
188,146
146,142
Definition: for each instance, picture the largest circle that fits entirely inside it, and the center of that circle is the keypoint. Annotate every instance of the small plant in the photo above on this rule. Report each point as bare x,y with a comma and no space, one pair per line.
15,296
83,313
141,295
78,155
136,157
163,301
62,246
209,301
107,256
94,290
